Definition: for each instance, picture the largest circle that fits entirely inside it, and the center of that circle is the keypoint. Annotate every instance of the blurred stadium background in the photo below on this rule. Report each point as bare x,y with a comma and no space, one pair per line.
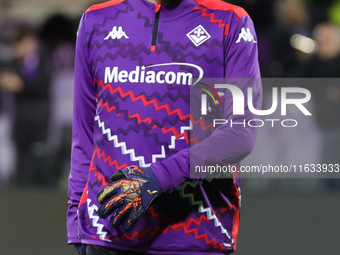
296,39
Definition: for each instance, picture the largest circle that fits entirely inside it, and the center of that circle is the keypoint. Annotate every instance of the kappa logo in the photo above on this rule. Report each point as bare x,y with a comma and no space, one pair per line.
198,35
116,34
246,36
152,192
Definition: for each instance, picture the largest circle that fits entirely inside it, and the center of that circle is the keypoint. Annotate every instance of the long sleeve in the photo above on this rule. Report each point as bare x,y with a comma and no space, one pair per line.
82,133
226,145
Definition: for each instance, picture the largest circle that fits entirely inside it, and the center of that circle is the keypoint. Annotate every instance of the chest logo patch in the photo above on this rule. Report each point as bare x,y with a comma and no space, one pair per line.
116,33
246,36
198,35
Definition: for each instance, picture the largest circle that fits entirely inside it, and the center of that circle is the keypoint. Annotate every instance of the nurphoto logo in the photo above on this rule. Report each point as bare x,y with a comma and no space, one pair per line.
240,101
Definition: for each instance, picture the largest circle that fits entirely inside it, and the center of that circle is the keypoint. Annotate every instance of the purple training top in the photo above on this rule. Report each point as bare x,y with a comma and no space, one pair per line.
133,72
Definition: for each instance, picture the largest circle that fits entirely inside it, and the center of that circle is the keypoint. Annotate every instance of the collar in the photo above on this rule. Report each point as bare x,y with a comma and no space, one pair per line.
167,11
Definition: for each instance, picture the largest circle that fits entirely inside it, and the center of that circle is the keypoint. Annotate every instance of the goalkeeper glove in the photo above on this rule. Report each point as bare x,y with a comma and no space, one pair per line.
129,196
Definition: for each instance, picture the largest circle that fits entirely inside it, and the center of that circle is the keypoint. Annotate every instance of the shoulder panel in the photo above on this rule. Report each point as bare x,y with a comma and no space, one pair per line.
223,6
104,5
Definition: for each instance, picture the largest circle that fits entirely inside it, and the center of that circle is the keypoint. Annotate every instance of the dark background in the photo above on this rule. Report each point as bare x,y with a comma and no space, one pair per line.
279,216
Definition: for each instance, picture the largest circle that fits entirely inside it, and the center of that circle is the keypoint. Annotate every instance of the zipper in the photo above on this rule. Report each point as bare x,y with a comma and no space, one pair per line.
155,27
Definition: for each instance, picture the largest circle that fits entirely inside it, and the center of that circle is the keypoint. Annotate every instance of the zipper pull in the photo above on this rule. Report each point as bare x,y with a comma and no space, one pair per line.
155,27
157,7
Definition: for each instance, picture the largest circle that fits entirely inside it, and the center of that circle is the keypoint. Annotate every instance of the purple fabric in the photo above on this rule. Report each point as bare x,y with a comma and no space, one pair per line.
123,115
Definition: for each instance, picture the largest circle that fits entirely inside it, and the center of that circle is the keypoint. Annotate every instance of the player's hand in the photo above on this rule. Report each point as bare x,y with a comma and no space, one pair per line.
129,196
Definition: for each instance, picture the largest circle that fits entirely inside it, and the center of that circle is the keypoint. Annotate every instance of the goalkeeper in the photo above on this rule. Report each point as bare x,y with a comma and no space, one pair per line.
134,141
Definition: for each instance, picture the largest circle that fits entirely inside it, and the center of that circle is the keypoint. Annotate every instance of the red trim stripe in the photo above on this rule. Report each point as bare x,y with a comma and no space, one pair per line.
223,6
157,7
83,198
236,221
213,19
104,5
